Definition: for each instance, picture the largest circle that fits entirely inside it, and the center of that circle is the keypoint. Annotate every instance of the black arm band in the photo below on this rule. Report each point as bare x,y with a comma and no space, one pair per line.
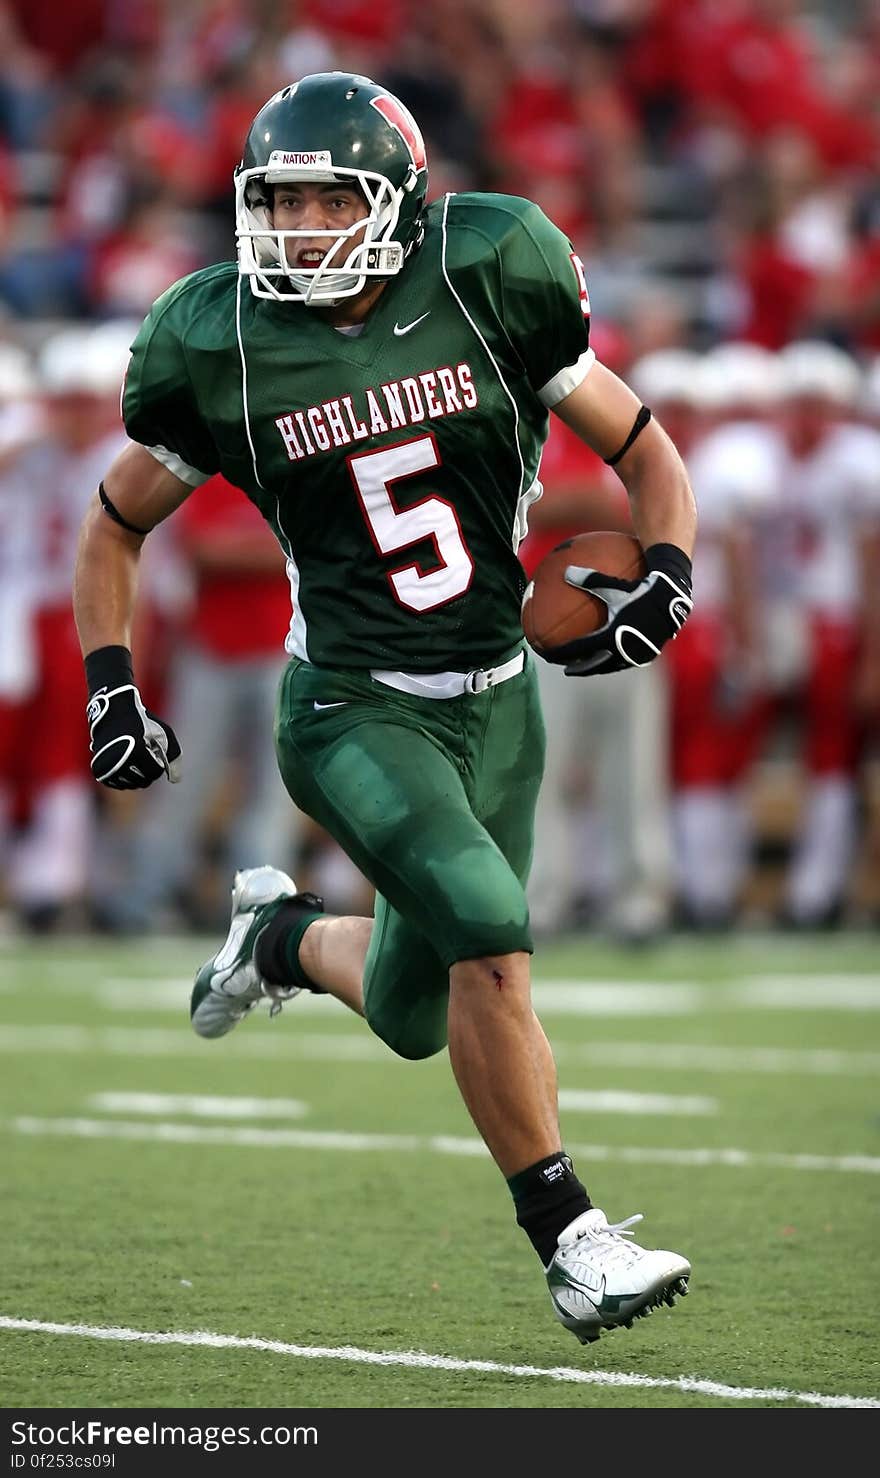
639,425
108,667
113,512
671,561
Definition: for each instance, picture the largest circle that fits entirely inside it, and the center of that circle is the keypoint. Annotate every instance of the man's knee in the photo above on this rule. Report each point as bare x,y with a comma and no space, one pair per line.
414,1035
506,974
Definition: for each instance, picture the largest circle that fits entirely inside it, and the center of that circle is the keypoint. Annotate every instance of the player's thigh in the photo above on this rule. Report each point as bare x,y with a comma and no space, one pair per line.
383,778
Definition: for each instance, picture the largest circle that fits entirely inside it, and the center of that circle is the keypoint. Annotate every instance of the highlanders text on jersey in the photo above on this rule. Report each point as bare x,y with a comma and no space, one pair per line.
395,464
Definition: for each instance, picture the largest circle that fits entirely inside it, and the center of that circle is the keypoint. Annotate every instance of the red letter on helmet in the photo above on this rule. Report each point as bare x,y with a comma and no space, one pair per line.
397,115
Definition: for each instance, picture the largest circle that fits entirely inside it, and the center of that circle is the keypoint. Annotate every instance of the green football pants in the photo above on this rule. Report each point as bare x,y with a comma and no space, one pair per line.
434,801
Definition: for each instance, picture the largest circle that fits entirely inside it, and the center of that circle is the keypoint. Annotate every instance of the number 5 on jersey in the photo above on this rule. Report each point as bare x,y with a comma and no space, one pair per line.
393,528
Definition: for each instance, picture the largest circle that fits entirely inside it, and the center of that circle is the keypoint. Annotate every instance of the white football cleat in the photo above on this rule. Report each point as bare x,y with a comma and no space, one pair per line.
229,985
599,1279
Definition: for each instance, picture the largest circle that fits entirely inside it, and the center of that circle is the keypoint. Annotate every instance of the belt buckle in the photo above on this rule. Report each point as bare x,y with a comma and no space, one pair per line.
477,681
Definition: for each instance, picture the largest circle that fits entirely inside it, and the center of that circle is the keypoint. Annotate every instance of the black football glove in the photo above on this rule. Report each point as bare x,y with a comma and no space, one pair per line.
130,746
642,614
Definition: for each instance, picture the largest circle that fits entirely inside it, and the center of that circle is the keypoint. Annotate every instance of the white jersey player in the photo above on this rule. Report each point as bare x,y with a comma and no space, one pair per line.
716,664
820,565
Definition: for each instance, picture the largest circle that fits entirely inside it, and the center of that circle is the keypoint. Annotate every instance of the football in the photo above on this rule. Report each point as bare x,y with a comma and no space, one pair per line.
554,613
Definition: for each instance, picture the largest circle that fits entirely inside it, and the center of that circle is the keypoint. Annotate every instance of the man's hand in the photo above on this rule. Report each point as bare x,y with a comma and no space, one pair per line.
130,746
642,614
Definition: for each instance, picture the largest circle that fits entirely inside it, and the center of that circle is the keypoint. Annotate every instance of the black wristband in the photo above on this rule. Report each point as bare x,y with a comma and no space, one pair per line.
670,560
108,667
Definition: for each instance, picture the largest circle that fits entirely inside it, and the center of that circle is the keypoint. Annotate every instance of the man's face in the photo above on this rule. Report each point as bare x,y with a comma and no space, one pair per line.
315,208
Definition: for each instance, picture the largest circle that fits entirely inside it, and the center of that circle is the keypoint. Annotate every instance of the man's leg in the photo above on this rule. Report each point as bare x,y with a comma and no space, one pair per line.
332,953
420,796
500,1062
499,1054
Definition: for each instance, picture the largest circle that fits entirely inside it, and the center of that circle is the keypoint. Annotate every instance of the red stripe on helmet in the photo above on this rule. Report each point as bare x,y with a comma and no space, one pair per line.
400,118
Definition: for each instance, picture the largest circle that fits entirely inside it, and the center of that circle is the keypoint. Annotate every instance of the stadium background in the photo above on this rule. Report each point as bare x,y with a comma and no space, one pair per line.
293,1217
715,165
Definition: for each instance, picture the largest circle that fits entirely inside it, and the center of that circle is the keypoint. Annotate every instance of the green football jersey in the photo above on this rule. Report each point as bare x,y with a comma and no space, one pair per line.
395,465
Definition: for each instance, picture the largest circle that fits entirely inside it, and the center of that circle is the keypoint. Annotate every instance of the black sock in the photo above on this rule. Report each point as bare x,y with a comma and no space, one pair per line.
276,952
547,1196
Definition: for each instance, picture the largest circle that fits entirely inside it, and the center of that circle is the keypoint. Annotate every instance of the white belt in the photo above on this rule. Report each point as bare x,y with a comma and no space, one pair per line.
451,684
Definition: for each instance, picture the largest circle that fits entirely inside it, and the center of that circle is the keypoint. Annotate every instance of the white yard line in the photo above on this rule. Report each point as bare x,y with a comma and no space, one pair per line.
173,993
612,1101
313,1139
558,997
421,1360
204,1106
198,1105
690,1057
126,1041
617,997
802,992
579,997
286,1041
574,996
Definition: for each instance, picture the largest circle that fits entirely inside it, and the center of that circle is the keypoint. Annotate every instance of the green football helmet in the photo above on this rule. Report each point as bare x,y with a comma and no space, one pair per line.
331,127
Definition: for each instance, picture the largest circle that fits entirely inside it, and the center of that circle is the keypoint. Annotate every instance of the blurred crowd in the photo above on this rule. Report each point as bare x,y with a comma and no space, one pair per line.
715,163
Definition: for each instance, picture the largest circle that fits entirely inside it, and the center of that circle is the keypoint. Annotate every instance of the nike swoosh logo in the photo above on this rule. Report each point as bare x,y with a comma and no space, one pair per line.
319,706
407,326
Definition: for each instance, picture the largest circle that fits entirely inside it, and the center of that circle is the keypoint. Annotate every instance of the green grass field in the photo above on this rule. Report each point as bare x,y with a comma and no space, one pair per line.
298,1186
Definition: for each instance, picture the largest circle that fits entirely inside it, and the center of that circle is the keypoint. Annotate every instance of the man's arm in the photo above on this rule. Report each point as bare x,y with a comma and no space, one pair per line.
601,411
642,614
144,493
130,746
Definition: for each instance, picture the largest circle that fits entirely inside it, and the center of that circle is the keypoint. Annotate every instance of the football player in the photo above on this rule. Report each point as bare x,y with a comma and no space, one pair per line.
376,375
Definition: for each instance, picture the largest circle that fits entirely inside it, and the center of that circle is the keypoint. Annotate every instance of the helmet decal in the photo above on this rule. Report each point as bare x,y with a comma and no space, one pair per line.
316,158
401,119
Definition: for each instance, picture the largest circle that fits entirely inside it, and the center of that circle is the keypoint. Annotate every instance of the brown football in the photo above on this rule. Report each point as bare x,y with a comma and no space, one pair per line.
554,613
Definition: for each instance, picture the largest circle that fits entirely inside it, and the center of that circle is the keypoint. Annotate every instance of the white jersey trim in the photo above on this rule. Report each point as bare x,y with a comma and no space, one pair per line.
567,380
176,464
295,641
520,516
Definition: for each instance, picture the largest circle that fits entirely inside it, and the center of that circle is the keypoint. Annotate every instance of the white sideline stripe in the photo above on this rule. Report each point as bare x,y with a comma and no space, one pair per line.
421,1360
128,1041
611,1101
442,1144
199,1105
